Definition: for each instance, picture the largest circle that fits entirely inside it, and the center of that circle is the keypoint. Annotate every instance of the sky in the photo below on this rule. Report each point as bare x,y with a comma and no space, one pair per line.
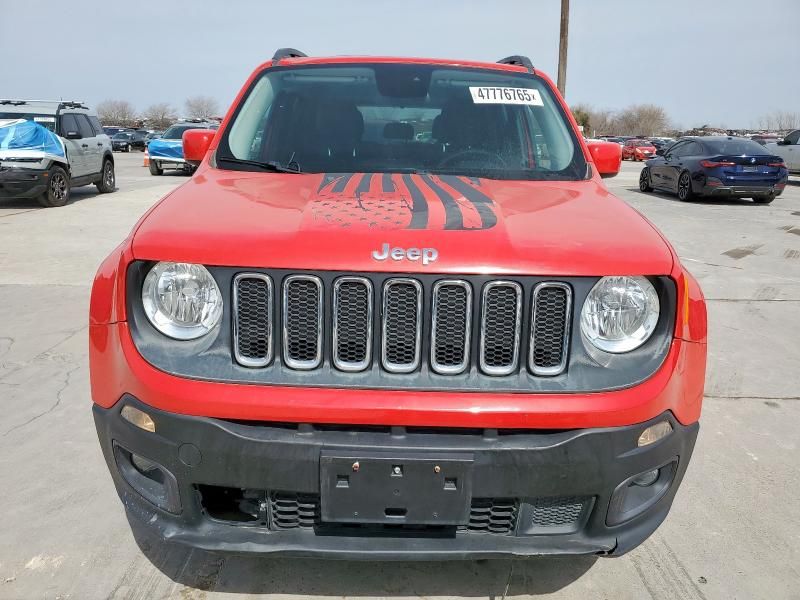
722,63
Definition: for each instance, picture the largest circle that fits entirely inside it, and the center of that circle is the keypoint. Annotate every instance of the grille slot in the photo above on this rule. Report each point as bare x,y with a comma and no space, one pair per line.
252,319
493,515
352,323
302,322
550,328
401,325
500,327
450,327
290,510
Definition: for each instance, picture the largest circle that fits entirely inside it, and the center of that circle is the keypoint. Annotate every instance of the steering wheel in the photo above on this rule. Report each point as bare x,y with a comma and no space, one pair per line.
475,153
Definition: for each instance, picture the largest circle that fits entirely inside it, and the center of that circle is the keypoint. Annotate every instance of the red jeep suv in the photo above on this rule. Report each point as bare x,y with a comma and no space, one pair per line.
397,314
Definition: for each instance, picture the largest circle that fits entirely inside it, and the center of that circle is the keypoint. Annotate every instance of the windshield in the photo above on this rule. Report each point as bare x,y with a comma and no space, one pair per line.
176,132
122,136
48,121
735,147
404,118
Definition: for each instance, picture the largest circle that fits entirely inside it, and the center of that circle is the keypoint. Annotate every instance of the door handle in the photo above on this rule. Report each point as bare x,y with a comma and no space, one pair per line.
99,144
84,145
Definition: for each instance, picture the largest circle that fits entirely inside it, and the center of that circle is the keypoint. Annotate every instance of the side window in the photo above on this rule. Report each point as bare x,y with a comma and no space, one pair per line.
794,137
677,149
84,126
68,123
98,128
692,149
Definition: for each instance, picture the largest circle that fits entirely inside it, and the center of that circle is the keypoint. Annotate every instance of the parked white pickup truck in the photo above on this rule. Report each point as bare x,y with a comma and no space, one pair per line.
788,149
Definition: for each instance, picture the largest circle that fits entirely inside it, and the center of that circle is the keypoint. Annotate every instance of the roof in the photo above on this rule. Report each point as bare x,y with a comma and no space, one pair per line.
42,106
328,60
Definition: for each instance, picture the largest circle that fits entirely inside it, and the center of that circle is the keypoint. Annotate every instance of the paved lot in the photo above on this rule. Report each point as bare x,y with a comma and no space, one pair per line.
734,531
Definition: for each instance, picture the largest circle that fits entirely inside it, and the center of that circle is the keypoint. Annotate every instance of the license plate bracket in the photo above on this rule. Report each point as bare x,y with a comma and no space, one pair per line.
408,488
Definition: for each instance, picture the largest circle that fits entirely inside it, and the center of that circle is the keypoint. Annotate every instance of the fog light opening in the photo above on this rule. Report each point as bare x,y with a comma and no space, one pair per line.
151,480
647,478
139,418
654,433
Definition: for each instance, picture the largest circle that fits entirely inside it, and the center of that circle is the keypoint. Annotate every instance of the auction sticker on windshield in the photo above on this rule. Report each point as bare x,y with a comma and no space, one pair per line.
505,95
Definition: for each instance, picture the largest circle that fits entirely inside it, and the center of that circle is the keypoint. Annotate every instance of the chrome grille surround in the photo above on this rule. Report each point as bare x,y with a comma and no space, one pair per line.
536,318
302,364
451,368
242,357
388,314
339,322
489,339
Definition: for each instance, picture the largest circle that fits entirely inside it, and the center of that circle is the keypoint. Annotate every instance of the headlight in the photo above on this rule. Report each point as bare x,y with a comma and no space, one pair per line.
620,313
181,300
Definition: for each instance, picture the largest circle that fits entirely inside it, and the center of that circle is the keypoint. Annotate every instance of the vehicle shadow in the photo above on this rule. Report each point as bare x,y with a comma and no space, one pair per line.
303,577
709,201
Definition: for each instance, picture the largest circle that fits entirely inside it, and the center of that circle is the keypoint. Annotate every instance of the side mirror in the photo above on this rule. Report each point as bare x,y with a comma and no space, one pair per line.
73,135
785,142
196,143
607,157
660,152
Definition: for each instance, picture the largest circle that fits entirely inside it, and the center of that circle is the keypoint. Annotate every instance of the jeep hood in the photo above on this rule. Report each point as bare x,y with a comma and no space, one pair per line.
335,221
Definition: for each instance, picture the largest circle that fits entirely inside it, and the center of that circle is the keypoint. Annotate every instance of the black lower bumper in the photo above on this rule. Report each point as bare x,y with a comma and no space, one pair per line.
741,191
272,488
22,183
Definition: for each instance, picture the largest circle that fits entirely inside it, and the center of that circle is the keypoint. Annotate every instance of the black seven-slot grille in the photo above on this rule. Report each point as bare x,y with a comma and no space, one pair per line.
400,321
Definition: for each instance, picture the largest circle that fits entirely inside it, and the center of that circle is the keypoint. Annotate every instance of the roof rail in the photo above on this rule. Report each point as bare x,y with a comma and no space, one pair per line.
281,53
519,60
73,104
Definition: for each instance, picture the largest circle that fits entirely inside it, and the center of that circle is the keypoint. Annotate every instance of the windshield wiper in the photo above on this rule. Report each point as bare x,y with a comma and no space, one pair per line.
271,165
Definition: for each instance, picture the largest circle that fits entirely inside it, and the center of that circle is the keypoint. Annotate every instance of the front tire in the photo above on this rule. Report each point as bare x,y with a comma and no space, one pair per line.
108,179
764,199
685,193
57,193
154,168
645,185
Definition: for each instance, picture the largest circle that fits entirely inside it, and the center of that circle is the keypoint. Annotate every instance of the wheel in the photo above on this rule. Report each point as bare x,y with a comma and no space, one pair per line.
155,169
644,181
57,193
127,148
764,199
685,187
107,183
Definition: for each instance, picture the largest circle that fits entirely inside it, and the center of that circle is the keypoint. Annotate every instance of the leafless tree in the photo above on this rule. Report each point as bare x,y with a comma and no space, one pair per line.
201,107
641,119
160,115
595,121
779,120
116,112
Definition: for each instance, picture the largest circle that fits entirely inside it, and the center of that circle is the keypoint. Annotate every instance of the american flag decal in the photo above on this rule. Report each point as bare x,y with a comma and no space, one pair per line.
390,201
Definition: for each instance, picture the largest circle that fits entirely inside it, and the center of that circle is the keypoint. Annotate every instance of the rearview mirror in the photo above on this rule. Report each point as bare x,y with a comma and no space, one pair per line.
196,143
607,157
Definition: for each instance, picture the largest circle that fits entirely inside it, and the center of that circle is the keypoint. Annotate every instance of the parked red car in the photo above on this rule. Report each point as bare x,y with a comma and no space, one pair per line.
638,150
396,313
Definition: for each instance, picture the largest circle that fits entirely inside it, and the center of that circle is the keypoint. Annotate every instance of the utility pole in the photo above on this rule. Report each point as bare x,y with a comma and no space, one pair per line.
562,48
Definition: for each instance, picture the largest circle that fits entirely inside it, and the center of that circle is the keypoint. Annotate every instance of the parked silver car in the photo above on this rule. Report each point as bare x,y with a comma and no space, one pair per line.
88,148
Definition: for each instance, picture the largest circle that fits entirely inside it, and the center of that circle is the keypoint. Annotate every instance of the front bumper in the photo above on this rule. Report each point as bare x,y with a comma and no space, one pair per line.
22,183
255,488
